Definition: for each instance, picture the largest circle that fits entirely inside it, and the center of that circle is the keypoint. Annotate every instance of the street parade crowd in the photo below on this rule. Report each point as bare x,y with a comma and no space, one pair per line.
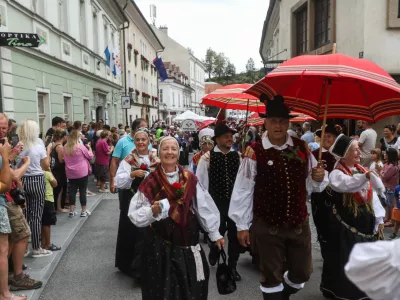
251,184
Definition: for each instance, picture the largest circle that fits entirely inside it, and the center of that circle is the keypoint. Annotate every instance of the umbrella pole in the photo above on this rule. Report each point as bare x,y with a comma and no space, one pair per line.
328,93
245,125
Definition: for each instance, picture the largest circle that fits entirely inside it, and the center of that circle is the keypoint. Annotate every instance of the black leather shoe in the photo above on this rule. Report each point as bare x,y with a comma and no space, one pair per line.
236,275
213,257
273,296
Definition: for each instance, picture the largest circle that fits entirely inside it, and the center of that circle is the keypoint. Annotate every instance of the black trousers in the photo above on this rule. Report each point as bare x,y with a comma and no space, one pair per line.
234,248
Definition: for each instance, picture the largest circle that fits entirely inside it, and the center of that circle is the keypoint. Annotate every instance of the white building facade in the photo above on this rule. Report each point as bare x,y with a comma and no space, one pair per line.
174,93
141,47
67,75
188,64
366,29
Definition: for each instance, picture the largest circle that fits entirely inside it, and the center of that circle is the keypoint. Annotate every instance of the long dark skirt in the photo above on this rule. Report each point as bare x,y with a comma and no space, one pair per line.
129,240
336,247
169,271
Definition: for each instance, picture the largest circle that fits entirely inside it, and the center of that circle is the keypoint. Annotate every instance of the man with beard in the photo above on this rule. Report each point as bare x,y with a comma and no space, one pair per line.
216,171
321,204
270,194
360,127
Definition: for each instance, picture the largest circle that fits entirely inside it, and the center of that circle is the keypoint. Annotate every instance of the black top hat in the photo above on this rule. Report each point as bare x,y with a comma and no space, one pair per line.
330,128
341,145
221,129
275,108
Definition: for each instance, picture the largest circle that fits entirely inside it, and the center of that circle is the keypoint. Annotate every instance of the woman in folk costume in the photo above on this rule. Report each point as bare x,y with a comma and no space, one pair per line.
131,172
357,214
173,205
206,144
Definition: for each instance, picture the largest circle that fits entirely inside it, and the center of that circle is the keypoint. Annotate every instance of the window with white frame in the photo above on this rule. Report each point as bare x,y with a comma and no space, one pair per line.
43,109
161,95
63,16
129,79
136,85
173,99
67,108
39,7
179,100
95,33
134,41
105,34
82,21
142,83
86,112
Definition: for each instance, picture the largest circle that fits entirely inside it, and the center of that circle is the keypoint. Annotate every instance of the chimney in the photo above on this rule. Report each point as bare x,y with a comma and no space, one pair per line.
164,29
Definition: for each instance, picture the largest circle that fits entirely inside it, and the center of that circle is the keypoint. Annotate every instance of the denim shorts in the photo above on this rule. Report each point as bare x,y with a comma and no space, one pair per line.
389,197
4,221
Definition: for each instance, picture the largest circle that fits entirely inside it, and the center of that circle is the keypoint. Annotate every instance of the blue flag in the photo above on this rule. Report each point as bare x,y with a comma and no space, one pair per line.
158,63
108,57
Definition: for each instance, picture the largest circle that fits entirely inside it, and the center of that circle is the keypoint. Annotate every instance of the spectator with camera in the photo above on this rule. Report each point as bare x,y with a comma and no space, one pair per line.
5,228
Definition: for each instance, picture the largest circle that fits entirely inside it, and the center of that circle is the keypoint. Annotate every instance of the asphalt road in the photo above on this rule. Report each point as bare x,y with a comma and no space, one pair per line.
86,271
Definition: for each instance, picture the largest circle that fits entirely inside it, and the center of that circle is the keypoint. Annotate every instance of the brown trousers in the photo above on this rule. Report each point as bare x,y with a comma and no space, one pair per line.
282,249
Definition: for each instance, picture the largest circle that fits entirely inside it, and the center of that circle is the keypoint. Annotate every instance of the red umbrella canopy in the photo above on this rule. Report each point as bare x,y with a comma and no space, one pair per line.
233,97
301,119
205,124
359,89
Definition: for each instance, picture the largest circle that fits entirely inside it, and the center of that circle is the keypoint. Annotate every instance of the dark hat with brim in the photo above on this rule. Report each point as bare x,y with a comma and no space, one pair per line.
341,146
275,108
330,128
222,129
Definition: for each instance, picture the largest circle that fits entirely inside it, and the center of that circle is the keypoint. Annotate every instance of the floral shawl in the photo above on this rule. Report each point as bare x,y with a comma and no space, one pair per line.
156,187
133,159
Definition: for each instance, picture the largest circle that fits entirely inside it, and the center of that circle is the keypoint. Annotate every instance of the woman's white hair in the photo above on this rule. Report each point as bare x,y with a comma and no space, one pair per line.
28,133
163,140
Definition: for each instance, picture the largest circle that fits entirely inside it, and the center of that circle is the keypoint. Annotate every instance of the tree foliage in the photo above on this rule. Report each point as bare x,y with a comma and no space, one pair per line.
224,72
209,61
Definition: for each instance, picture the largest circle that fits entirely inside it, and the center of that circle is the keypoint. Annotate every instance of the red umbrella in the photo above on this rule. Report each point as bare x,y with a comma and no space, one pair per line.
301,119
233,97
205,124
256,120
353,88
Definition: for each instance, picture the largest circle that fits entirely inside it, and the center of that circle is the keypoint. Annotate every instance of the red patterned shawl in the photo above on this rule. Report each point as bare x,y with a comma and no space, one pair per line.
156,187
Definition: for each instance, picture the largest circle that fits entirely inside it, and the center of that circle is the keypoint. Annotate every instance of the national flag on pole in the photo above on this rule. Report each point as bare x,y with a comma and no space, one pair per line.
107,53
158,63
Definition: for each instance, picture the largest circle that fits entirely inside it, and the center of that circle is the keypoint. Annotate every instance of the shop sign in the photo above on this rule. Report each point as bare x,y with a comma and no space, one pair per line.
189,125
14,39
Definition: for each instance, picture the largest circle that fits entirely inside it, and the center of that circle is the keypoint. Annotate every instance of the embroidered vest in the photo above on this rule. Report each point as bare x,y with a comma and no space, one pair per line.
222,176
280,185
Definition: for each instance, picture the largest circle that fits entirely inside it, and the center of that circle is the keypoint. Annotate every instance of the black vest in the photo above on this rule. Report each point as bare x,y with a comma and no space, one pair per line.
222,176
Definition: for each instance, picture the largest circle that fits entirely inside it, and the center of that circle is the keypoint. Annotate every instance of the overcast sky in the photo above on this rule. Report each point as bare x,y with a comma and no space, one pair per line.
230,26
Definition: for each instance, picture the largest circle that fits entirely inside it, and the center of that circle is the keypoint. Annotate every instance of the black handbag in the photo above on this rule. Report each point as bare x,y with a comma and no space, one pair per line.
225,282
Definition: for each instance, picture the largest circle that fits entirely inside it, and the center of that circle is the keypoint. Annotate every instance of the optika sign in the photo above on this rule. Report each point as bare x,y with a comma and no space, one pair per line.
14,39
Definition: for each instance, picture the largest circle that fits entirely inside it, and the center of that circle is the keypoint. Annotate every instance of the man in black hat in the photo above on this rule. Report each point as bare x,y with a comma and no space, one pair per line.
270,195
216,171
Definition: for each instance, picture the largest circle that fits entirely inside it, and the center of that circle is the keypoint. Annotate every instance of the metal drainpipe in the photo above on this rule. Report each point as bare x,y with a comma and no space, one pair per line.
125,71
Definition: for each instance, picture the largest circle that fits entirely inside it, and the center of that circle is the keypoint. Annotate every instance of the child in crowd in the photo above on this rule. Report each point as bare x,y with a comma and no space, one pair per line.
396,213
390,179
377,164
49,217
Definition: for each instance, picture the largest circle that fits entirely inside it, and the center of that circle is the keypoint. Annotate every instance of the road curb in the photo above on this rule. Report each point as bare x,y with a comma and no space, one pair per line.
37,293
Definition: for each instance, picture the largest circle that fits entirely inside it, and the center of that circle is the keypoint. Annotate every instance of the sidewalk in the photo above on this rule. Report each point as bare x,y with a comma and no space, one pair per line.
61,235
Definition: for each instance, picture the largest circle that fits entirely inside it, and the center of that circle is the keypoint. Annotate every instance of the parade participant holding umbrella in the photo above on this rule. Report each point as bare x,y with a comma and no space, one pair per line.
172,204
206,144
130,174
217,172
321,204
356,215
270,193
